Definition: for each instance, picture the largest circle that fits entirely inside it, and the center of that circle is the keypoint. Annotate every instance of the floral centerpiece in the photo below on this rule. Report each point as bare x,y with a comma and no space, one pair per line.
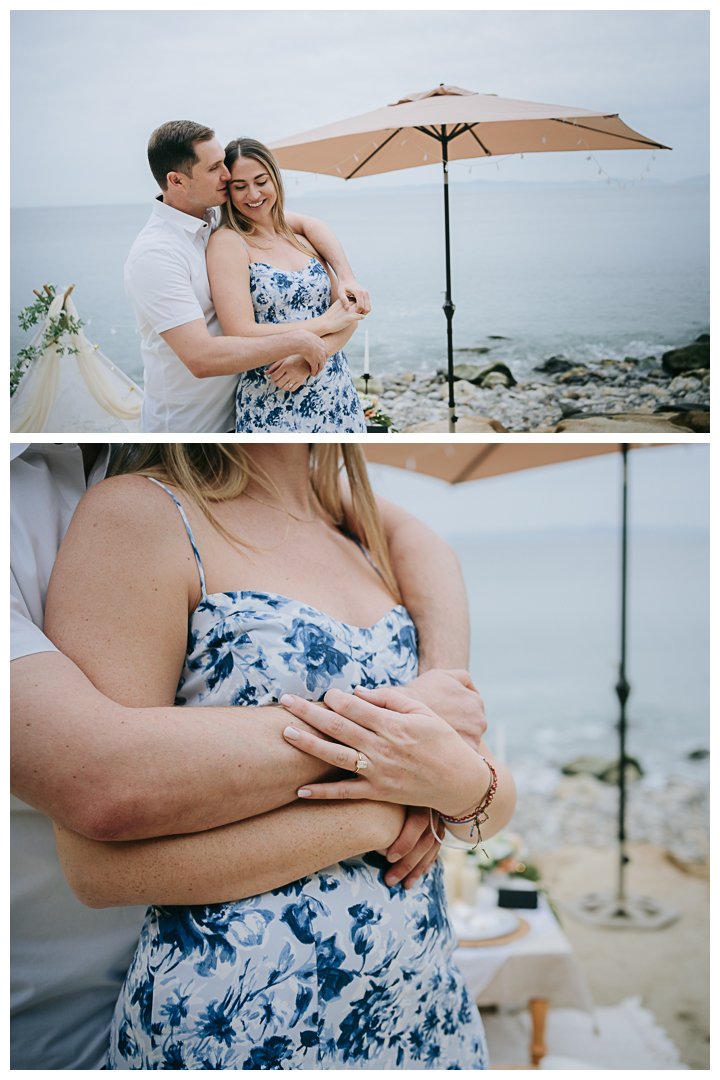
372,413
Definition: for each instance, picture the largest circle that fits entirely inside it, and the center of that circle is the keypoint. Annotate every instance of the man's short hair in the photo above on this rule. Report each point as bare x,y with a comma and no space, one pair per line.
171,148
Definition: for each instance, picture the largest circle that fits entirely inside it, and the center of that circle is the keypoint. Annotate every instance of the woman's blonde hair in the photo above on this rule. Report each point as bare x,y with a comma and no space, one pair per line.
216,472
231,217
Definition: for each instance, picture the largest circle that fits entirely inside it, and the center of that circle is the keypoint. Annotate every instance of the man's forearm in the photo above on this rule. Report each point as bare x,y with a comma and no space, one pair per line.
115,773
233,355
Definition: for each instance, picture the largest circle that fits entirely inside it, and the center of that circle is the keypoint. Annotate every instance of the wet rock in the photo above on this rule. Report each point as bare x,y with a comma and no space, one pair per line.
463,392
697,420
697,355
476,375
494,379
480,350
605,769
407,376
577,374
703,337
554,364
699,755
465,425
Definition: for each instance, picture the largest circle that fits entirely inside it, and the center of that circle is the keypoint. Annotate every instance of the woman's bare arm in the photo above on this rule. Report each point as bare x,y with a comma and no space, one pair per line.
228,863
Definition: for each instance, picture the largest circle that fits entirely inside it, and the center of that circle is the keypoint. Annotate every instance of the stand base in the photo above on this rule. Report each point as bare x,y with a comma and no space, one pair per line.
633,912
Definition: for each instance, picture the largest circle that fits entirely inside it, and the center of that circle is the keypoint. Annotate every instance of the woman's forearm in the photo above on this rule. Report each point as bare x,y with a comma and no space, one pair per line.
499,812
225,864
334,342
234,327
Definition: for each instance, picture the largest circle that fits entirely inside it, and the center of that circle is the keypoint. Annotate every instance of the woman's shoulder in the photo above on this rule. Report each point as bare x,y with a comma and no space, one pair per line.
226,238
128,507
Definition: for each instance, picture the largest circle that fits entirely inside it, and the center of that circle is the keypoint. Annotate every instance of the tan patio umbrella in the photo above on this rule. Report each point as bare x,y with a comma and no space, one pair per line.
450,124
459,462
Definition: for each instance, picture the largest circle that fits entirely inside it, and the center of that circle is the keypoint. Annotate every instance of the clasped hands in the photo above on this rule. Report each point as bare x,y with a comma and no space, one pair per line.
290,373
415,738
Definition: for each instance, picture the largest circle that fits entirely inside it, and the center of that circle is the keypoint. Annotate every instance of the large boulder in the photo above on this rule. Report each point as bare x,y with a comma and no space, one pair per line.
692,356
465,425
374,386
620,422
697,419
476,375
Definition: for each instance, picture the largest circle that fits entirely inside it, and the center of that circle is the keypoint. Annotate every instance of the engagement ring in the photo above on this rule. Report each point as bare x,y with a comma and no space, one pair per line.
361,763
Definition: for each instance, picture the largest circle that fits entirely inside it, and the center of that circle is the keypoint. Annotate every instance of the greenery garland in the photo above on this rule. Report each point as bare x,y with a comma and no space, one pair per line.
59,324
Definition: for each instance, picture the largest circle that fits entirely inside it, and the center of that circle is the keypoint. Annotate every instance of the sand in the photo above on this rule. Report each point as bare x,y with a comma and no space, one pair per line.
668,969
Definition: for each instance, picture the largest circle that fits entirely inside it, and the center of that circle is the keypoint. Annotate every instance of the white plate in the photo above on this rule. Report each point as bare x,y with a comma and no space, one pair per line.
479,924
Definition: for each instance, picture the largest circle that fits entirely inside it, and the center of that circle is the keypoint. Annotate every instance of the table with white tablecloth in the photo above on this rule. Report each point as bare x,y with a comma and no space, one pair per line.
539,969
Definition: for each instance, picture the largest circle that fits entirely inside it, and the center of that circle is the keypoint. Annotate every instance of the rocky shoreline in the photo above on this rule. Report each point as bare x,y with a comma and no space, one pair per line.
670,393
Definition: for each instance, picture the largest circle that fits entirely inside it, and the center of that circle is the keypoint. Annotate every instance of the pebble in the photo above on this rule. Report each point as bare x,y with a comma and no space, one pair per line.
609,386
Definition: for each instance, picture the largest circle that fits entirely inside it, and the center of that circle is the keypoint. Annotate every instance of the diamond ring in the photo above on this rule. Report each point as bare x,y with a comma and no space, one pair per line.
361,763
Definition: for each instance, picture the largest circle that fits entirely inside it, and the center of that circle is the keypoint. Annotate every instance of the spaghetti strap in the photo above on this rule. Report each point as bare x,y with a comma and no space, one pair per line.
364,550
183,515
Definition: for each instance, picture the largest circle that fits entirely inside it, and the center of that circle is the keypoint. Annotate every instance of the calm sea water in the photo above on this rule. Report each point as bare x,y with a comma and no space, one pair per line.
545,616
587,271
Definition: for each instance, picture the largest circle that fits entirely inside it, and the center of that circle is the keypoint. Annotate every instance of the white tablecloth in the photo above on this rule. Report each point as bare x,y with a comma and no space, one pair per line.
539,965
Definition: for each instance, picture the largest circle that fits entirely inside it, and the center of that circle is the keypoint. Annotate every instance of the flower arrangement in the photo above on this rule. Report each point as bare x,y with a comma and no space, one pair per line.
60,324
370,408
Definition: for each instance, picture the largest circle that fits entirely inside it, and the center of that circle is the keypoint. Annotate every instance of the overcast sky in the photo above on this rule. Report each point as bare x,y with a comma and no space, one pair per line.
88,87
669,489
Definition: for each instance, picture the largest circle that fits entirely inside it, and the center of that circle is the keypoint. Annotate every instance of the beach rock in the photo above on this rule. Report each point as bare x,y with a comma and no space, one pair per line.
703,337
620,422
374,386
477,375
462,390
605,769
697,420
479,351
554,364
408,376
578,374
495,378
699,755
465,425
678,361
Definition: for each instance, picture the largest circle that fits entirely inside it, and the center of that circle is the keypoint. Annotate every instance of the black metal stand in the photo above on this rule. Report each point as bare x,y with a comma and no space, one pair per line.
448,306
367,378
618,910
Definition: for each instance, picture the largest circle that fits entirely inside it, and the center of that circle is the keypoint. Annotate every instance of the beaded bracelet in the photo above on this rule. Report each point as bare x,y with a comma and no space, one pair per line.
481,808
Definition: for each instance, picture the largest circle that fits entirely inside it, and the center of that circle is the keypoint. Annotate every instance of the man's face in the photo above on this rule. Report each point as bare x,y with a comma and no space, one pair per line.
208,184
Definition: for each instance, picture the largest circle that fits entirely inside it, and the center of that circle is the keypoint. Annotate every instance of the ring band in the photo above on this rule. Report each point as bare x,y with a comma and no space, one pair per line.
361,763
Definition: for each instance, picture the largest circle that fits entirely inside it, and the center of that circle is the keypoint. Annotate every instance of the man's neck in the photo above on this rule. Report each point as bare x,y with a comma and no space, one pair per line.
181,204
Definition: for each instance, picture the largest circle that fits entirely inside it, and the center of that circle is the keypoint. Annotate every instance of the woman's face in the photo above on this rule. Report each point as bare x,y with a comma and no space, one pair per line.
252,190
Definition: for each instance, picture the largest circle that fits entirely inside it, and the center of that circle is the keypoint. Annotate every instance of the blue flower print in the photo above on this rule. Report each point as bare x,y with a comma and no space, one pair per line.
327,401
335,970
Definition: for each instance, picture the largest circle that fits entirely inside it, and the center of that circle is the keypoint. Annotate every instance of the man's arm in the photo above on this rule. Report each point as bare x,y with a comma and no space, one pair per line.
206,356
113,772
324,240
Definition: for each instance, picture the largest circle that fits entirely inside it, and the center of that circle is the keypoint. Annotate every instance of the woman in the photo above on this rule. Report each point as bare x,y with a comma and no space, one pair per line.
329,967
263,281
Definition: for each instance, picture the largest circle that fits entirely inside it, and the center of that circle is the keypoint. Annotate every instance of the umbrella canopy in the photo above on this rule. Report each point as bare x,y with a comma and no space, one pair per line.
458,462
447,124
410,133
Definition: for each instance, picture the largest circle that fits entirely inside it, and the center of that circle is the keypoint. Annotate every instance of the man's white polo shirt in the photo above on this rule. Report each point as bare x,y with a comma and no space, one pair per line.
166,279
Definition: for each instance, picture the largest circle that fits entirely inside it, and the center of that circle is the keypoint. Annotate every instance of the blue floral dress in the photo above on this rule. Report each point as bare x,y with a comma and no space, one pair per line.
327,401
335,970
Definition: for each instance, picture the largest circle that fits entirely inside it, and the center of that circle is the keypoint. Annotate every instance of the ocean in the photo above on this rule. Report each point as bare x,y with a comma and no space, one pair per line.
589,271
545,619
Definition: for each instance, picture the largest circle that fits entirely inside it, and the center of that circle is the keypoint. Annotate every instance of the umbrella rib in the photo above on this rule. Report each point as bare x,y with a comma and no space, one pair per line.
597,131
460,130
375,151
479,458
426,131
481,145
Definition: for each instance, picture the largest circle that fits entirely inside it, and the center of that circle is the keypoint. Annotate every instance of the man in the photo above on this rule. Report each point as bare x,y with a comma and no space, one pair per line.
113,773
190,368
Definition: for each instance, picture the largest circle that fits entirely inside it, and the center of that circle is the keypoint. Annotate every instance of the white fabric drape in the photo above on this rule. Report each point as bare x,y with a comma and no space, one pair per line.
66,381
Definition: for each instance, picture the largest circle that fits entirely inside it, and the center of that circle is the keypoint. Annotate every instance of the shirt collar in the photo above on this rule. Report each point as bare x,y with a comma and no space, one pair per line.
97,472
186,221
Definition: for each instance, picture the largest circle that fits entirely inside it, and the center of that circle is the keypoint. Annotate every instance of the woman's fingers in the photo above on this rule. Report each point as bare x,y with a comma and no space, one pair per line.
343,757
326,720
343,789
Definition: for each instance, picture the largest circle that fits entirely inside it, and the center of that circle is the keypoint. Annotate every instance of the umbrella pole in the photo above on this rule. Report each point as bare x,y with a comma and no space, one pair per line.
619,910
448,306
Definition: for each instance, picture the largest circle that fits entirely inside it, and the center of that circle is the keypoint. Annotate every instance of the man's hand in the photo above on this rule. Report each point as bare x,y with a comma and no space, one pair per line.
310,347
454,696
290,373
350,292
415,849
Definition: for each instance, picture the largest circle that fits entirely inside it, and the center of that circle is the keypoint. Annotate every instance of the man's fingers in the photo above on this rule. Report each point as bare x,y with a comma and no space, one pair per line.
423,866
415,825
463,677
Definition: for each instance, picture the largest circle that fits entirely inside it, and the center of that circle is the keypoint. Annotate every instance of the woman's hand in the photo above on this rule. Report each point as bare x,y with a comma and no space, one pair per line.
290,373
413,756
349,291
337,318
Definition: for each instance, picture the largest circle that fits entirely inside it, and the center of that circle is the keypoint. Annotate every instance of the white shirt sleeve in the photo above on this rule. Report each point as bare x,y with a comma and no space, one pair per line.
25,636
159,284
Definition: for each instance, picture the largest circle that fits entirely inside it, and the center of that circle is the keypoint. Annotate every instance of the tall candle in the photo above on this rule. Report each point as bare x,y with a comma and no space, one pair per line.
469,881
366,368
